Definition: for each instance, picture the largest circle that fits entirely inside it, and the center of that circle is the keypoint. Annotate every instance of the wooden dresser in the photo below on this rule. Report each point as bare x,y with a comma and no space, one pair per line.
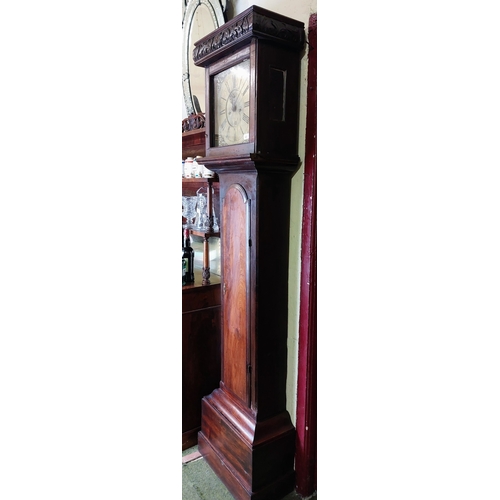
201,317
200,351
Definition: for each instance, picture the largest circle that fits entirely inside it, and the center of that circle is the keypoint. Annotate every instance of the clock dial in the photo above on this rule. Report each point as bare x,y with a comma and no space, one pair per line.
232,105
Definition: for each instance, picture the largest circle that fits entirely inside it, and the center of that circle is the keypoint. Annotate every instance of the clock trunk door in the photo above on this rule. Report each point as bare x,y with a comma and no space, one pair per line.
235,248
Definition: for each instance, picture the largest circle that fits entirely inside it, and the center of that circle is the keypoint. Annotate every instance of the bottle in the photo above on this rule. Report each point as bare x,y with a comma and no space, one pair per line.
187,260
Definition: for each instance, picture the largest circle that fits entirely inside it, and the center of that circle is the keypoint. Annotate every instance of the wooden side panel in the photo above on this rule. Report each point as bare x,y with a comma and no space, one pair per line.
193,143
235,284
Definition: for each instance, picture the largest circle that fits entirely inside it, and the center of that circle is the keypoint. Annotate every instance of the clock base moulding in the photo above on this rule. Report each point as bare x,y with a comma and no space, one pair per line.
261,452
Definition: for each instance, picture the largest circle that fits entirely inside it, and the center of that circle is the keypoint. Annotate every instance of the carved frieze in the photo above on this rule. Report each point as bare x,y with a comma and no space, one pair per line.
254,22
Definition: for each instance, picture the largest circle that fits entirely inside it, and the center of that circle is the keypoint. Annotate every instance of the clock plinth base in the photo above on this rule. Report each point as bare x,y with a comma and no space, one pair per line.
254,459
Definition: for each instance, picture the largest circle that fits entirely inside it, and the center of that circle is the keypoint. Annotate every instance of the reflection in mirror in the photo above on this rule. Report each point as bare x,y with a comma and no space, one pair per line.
201,17
202,24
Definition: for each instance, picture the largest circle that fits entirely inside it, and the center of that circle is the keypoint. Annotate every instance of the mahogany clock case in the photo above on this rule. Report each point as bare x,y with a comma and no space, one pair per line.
246,434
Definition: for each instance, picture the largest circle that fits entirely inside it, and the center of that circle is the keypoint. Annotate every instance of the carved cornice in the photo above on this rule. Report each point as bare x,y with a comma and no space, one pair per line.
253,22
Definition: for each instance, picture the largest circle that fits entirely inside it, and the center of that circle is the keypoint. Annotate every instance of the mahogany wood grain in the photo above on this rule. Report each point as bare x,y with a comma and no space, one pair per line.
234,289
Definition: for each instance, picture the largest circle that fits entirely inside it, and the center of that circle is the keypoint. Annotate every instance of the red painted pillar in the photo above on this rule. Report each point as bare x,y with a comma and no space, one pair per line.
306,421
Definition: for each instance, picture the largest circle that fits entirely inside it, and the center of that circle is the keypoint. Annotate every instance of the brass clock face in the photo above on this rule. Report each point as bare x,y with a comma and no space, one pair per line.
232,105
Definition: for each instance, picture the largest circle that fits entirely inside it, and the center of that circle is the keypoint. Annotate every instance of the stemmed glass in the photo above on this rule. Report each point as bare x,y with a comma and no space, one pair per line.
215,223
202,216
189,210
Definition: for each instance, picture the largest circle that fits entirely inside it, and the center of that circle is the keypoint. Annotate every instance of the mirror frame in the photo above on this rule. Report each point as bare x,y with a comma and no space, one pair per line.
216,9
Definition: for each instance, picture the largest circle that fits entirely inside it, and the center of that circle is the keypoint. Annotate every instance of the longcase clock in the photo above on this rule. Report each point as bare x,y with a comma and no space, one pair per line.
252,68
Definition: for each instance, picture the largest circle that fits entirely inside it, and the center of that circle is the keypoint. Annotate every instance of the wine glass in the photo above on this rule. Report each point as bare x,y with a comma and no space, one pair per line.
201,210
189,210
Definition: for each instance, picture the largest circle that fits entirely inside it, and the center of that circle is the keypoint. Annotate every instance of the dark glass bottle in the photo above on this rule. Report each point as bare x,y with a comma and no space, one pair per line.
187,260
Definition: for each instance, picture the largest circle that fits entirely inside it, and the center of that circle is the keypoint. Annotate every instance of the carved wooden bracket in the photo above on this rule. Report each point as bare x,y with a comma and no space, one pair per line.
193,122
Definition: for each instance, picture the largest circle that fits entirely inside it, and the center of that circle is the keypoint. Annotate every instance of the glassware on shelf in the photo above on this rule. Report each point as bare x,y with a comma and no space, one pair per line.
202,222
189,210
215,222
201,211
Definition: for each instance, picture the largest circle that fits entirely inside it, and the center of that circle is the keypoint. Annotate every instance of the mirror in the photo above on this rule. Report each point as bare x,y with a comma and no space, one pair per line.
201,17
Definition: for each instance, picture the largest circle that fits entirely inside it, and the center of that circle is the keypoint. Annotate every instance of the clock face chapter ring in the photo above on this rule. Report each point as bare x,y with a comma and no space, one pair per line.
232,105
